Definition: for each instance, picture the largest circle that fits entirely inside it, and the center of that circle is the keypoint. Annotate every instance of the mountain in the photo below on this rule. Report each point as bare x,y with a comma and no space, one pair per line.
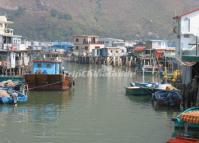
61,19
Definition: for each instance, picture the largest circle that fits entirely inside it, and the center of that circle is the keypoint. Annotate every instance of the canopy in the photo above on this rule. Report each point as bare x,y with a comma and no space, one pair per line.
139,49
191,117
62,45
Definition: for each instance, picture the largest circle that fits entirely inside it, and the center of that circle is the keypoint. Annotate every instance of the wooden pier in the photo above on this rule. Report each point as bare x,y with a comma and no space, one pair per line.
114,61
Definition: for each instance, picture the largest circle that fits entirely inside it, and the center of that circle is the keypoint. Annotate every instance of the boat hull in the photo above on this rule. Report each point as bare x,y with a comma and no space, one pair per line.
182,140
43,82
9,100
137,91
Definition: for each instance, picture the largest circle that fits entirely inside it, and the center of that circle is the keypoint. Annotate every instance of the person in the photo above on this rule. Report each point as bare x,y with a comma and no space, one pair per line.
62,69
194,90
164,80
161,70
14,96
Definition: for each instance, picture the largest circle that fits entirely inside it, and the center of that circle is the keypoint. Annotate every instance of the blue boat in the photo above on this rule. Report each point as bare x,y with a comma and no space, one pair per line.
179,123
8,95
171,98
20,98
10,100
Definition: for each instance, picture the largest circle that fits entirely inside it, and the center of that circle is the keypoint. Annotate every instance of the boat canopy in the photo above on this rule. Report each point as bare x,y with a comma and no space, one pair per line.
191,117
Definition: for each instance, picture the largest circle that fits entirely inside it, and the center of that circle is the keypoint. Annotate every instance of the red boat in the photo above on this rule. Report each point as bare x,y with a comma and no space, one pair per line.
182,140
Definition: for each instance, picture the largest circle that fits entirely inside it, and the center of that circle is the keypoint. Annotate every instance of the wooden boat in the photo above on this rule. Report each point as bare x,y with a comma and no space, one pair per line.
190,116
47,75
182,140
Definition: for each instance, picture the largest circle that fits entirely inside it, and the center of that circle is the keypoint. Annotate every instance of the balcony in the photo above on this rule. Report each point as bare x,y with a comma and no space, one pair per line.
92,42
8,32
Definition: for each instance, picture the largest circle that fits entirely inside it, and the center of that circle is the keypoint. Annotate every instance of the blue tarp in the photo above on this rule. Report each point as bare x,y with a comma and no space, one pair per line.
62,45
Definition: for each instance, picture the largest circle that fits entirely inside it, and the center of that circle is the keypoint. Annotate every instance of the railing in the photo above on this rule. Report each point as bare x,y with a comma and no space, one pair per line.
191,52
93,42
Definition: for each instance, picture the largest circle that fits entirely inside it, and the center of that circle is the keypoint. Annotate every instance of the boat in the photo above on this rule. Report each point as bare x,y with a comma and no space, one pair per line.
182,140
9,84
139,89
48,75
146,88
171,98
13,99
190,116
13,78
10,96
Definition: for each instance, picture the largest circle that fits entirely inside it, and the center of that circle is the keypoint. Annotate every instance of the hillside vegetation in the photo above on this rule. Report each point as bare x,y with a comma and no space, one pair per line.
60,19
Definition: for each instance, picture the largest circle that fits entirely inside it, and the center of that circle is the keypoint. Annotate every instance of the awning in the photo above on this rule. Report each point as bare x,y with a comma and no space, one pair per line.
139,49
189,64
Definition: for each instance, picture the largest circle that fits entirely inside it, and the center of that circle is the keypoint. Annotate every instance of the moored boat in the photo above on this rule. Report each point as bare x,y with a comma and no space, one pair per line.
13,99
137,91
171,98
146,88
189,117
182,140
48,75
11,96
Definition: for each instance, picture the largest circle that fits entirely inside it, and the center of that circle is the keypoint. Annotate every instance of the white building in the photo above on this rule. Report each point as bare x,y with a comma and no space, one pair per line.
84,44
112,42
112,48
13,51
156,44
187,29
188,32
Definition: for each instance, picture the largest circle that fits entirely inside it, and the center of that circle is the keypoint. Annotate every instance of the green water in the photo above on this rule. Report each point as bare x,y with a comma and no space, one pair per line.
96,110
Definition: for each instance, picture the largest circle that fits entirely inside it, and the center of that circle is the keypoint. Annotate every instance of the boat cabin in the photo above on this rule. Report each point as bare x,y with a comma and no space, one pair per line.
46,67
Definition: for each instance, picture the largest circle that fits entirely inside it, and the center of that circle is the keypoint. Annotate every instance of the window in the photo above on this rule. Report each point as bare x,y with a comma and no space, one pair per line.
84,41
86,48
186,25
77,40
93,40
48,65
97,47
39,65
77,48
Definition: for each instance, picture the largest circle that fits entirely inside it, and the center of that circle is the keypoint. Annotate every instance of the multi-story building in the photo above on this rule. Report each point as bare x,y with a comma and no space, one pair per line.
84,44
187,30
13,51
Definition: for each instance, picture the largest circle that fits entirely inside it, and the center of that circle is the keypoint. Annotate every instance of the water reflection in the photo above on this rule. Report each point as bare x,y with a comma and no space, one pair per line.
140,99
11,108
46,106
